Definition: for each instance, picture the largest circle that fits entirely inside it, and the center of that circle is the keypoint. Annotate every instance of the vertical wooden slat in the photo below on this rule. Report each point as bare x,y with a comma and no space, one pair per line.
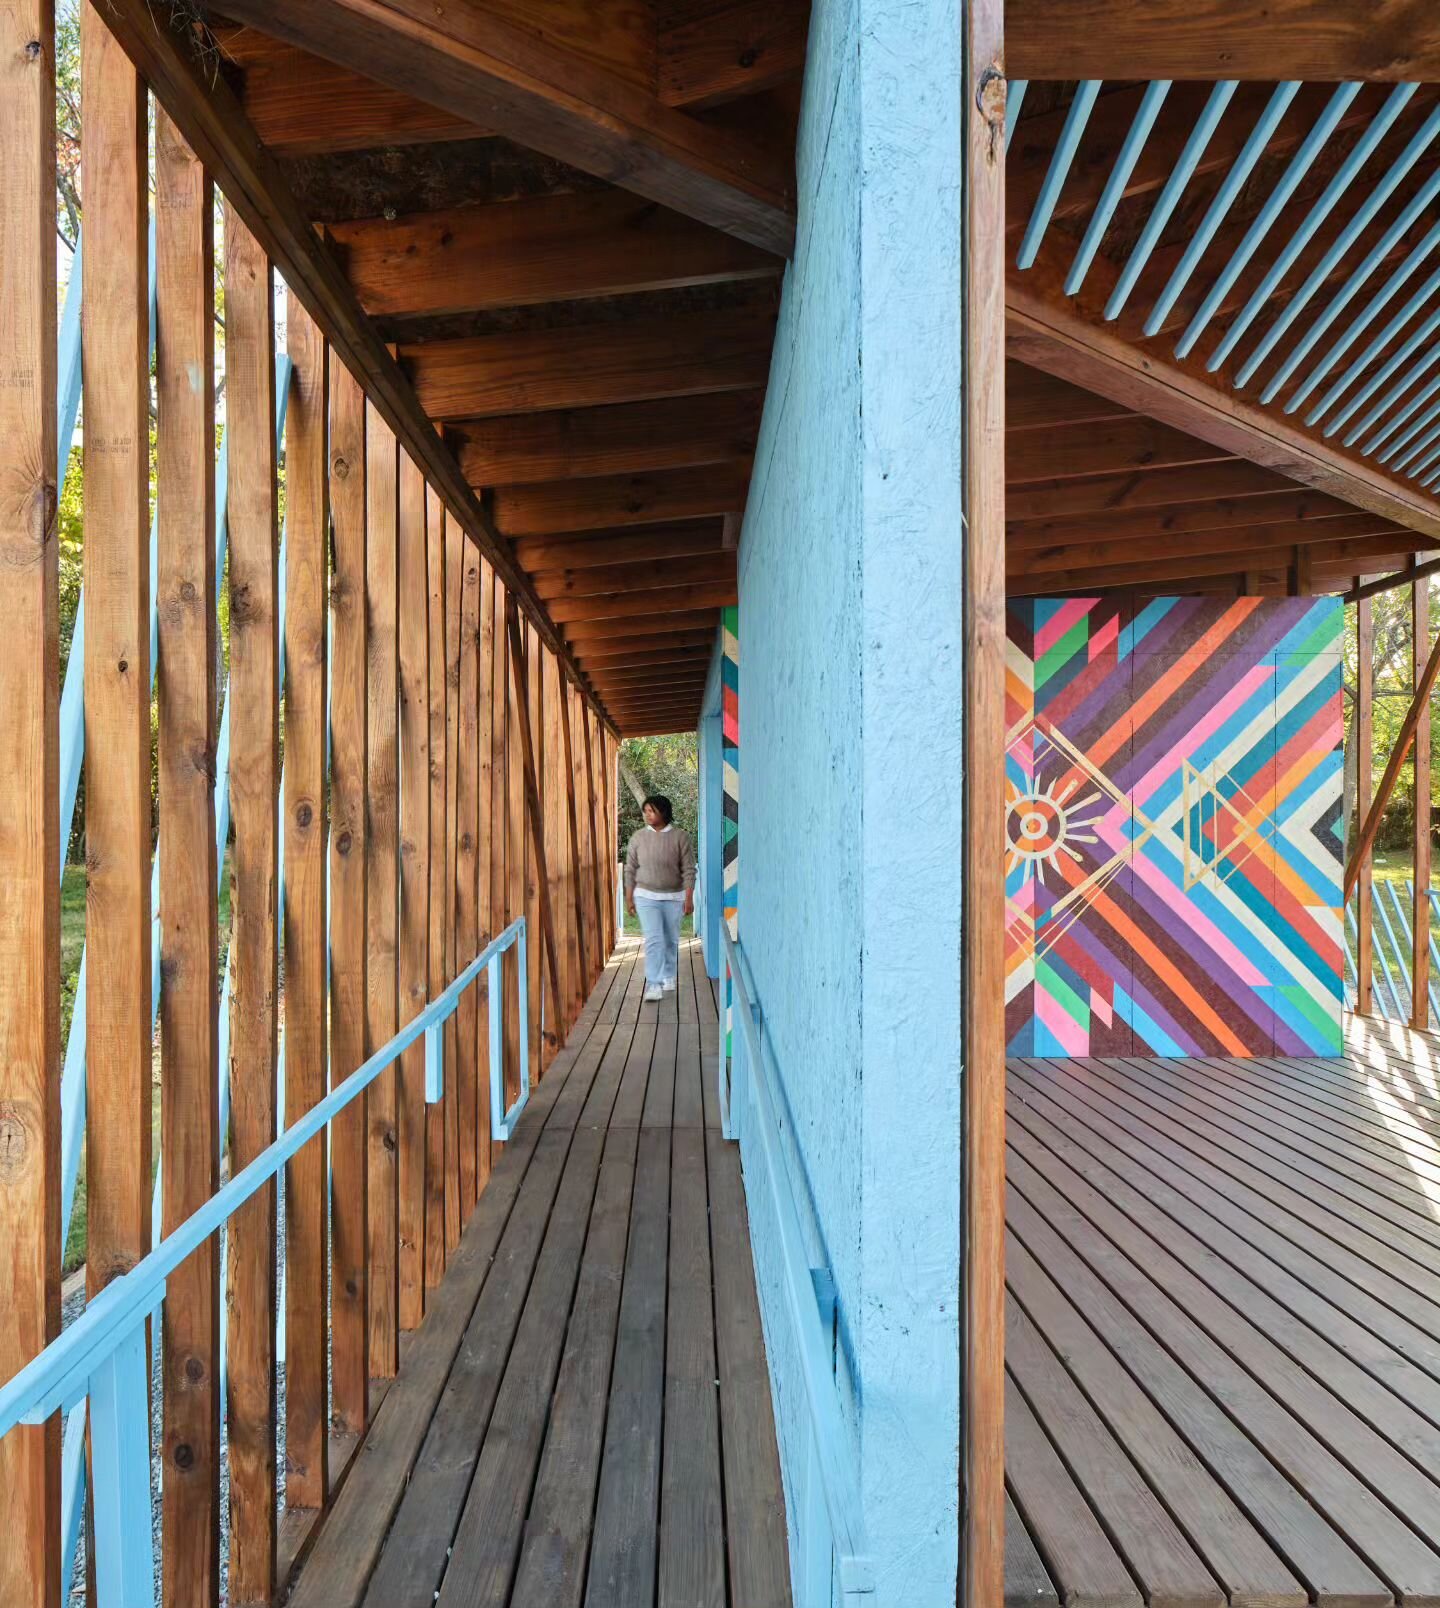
189,940
515,852
414,630
454,552
382,883
1363,736
557,1003
598,851
467,917
117,659
307,571
574,877
439,896
484,782
585,892
500,912
607,777
537,895
982,1057
254,787
29,763
1420,923
349,1301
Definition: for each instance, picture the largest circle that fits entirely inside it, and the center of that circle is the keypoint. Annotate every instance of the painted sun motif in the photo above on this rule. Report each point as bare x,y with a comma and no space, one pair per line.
1041,824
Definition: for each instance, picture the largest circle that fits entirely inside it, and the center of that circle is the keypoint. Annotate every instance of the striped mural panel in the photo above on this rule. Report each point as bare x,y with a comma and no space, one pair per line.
1174,840
730,775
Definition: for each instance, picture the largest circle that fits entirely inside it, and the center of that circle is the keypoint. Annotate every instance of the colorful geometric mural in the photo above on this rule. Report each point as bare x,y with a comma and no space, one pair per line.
730,774
1174,846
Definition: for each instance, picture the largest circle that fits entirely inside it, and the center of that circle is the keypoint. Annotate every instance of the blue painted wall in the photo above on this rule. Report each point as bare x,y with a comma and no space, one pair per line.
850,609
710,849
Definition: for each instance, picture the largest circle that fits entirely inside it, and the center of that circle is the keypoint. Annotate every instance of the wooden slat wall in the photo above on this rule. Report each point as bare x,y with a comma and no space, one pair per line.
189,941
486,924
1362,735
557,1019
454,543
30,847
515,864
1420,916
467,915
254,787
536,929
499,774
435,1239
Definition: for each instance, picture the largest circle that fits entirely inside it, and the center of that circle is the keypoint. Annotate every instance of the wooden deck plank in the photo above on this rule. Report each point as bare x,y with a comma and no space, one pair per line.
689,1105
1027,1582
660,1096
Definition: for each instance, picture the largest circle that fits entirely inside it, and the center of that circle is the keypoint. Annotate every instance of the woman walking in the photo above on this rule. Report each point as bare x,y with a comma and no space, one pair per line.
660,889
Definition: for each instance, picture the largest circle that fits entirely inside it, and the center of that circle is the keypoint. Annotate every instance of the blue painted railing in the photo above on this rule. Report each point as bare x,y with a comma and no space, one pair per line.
103,1354
1392,951
833,1525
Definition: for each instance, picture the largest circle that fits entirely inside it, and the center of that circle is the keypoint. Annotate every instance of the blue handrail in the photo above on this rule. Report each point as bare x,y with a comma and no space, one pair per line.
809,1293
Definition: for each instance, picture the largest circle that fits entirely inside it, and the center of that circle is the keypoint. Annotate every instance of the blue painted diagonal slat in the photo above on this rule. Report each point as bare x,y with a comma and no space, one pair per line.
1379,409
1061,160
1377,344
1402,441
1014,100
1129,155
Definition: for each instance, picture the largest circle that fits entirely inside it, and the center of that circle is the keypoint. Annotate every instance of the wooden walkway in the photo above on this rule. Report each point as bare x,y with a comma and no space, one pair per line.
1223,1341
584,1417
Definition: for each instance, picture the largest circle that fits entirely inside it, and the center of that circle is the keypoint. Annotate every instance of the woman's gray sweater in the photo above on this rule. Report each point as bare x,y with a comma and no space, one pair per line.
663,862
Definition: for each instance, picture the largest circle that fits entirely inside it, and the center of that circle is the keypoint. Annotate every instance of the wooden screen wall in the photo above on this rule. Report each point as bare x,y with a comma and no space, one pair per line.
439,810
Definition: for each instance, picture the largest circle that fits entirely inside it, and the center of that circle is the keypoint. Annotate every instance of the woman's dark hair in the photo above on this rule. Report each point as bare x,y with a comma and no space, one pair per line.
664,805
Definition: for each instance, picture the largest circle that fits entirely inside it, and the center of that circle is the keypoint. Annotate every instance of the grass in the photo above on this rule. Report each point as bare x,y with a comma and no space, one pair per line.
632,926
1398,865
72,945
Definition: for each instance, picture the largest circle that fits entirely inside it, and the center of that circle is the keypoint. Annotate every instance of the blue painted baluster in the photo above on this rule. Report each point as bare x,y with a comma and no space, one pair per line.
1379,126
1014,100
1224,199
1060,163
120,1456
1433,952
1352,946
72,1494
1139,132
1299,165
1402,1005
435,1064
494,984
1180,176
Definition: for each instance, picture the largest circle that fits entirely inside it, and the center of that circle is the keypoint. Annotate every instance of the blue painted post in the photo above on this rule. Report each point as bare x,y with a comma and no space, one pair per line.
495,985
712,835
435,1064
120,1454
1402,1006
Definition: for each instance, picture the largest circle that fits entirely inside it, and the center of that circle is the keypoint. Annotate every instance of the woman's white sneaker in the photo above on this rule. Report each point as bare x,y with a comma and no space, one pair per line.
669,987
653,993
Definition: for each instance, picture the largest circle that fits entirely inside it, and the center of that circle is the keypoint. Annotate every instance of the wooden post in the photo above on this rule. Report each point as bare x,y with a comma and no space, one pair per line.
584,872
382,883
1420,925
254,786
30,846
439,899
982,1059
1362,734
484,916
467,915
307,572
557,1005
515,852
189,940
349,1212
118,812
499,778
576,876
454,564
598,850
536,893
414,632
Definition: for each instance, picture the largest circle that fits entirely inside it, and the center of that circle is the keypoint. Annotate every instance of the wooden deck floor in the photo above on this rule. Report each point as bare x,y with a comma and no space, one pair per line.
1223,1344
584,1417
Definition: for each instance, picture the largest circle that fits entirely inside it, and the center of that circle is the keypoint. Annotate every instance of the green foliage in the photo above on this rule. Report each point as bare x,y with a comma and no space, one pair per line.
668,765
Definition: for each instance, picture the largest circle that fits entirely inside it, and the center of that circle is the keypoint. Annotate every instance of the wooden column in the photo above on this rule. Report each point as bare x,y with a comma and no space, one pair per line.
189,940
982,1051
584,870
598,849
382,883
118,811
439,898
499,775
307,582
574,877
516,853
254,787
557,1024
484,915
537,895
349,1165
454,564
414,631
1420,925
1363,736
30,846
467,914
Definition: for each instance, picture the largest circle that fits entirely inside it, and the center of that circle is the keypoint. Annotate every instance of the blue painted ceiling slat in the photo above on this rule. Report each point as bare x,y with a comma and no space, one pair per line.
1352,286
1377,344
1223,200
1322,270
1129,155
1392,366
1014,100
1408,449
1380,125
1200,137
1392,425
1060,161
1298,166
1374,414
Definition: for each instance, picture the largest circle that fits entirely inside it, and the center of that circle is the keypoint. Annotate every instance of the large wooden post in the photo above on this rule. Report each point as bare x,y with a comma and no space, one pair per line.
982,1068
1362,734
467,915
30,767
1420,924
485,922
500,912
254,786
189,939
439,900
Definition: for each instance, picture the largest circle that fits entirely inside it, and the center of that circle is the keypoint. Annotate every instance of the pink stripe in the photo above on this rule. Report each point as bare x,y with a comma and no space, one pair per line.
1105,637
1193,919
1074,608
1069,1032
1165,767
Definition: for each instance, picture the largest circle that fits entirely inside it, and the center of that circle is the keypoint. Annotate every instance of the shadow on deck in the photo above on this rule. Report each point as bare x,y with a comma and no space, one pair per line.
585,1415
1223,1343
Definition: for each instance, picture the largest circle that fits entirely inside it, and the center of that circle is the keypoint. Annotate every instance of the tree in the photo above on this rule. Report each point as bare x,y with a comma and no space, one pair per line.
668,765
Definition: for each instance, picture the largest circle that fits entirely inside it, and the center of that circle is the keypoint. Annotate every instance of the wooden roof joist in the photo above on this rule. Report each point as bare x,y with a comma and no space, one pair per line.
548,91
654,604
657,621
590,549
572,505
702,568
1286,504
1246,39
206,113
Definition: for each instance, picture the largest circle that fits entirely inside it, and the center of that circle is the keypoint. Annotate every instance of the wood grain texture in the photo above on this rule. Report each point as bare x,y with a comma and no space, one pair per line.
500,912
622,500
253,514
440,901
517,850
454,570
307,585
733,50
467,913
30,848
349,1147
1420,884
484,832
189,940
382,883
1363,738
560,1008
414,631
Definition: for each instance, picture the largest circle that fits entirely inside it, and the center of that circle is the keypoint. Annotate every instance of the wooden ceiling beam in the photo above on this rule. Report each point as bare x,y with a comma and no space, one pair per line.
1162,488
603,578
1113,446
539,249
1286,505
205,110
732,50
635,604
1035,400
629,438
1068,338
545,553
1316,40
574,505
594,365
590,635
542,92
668,656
